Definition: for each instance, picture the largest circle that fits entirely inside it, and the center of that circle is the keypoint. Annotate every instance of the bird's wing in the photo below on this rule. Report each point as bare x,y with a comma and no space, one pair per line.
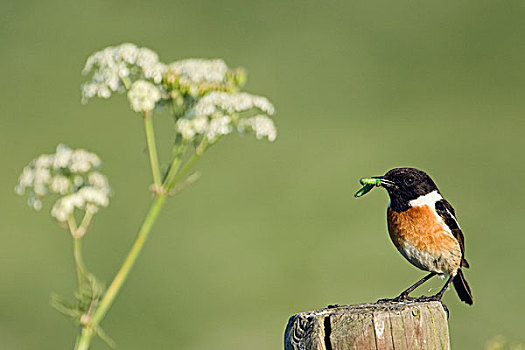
448,214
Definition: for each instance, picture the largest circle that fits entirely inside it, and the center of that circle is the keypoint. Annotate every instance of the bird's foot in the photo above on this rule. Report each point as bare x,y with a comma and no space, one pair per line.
424,298
399,299
437,297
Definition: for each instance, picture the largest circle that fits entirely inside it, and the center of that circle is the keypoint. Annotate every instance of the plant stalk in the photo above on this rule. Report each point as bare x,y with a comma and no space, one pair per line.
152,149
77,250
121,276
85,339
173,177
176,178
79,261
178,153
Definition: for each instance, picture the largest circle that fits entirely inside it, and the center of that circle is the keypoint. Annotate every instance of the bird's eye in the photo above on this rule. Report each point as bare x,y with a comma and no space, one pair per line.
409,180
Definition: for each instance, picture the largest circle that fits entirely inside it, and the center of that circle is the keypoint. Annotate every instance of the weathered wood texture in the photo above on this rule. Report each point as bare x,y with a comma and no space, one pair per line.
380,326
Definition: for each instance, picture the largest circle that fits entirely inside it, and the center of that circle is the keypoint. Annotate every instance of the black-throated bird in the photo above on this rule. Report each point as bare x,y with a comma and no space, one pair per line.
424,228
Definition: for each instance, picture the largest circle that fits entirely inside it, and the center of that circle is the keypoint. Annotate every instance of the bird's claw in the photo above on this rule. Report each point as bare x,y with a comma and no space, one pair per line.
425,299
399,299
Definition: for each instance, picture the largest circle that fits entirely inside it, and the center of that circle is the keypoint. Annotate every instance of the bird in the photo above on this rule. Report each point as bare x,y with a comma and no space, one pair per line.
424,228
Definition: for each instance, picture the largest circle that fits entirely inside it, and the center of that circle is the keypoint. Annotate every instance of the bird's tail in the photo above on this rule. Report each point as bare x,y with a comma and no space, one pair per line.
462,288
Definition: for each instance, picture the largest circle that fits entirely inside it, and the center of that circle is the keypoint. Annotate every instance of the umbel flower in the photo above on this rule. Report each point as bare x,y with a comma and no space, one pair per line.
73,175
203,95
217,114
143,96
114,67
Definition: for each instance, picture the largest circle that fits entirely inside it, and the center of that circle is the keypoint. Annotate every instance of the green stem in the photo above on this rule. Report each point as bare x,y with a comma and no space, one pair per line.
79,261
88,330
180,175
84,224
186,168
77,250
175,165
84,339
152,149
120,278
178,152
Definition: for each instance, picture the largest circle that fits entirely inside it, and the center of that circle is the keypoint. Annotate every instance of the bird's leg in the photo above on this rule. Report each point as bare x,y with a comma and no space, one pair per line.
439,295
404,295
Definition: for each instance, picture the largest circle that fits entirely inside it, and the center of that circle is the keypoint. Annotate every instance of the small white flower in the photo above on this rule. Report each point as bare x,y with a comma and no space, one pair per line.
62,157
96,179
188,128
200,124
82,161
25,180
146,57
143,96
261,125
152,68
185,128
154,72
230,103
44,161
65,206
94,195
60,184
72,174
40,189
199,70
113,67
218,127
127,52
42,177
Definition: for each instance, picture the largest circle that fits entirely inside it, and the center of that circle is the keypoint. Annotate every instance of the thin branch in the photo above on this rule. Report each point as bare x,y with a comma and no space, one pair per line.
152,149
122,274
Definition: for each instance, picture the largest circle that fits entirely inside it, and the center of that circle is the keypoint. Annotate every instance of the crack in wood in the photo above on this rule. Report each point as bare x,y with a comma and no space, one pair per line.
327,333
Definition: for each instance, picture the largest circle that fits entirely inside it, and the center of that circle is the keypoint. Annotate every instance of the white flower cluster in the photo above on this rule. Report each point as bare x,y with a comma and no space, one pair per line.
72,174
115,66
261,125
231,103
87,198
198,70
217,113
143,96
204,91
197,77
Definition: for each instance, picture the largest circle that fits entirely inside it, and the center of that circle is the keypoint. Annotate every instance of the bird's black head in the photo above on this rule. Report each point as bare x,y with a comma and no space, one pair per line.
406,184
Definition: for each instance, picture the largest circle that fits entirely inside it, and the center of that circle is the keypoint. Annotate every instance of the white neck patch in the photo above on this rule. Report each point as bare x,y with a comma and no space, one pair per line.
429,199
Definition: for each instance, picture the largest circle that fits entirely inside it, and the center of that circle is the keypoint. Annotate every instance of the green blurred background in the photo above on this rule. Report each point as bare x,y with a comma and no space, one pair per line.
270,229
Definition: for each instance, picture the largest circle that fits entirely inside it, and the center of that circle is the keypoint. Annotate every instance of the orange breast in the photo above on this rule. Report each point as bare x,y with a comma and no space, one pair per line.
418,230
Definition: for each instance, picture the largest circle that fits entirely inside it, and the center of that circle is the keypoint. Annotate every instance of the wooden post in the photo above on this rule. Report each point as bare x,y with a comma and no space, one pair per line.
410,325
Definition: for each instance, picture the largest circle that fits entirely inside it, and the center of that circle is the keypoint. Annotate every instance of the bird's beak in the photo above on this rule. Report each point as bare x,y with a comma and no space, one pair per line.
378,181
370,182
384,182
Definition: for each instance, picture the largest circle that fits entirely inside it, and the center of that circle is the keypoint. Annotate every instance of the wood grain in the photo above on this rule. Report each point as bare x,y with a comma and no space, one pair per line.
410,325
